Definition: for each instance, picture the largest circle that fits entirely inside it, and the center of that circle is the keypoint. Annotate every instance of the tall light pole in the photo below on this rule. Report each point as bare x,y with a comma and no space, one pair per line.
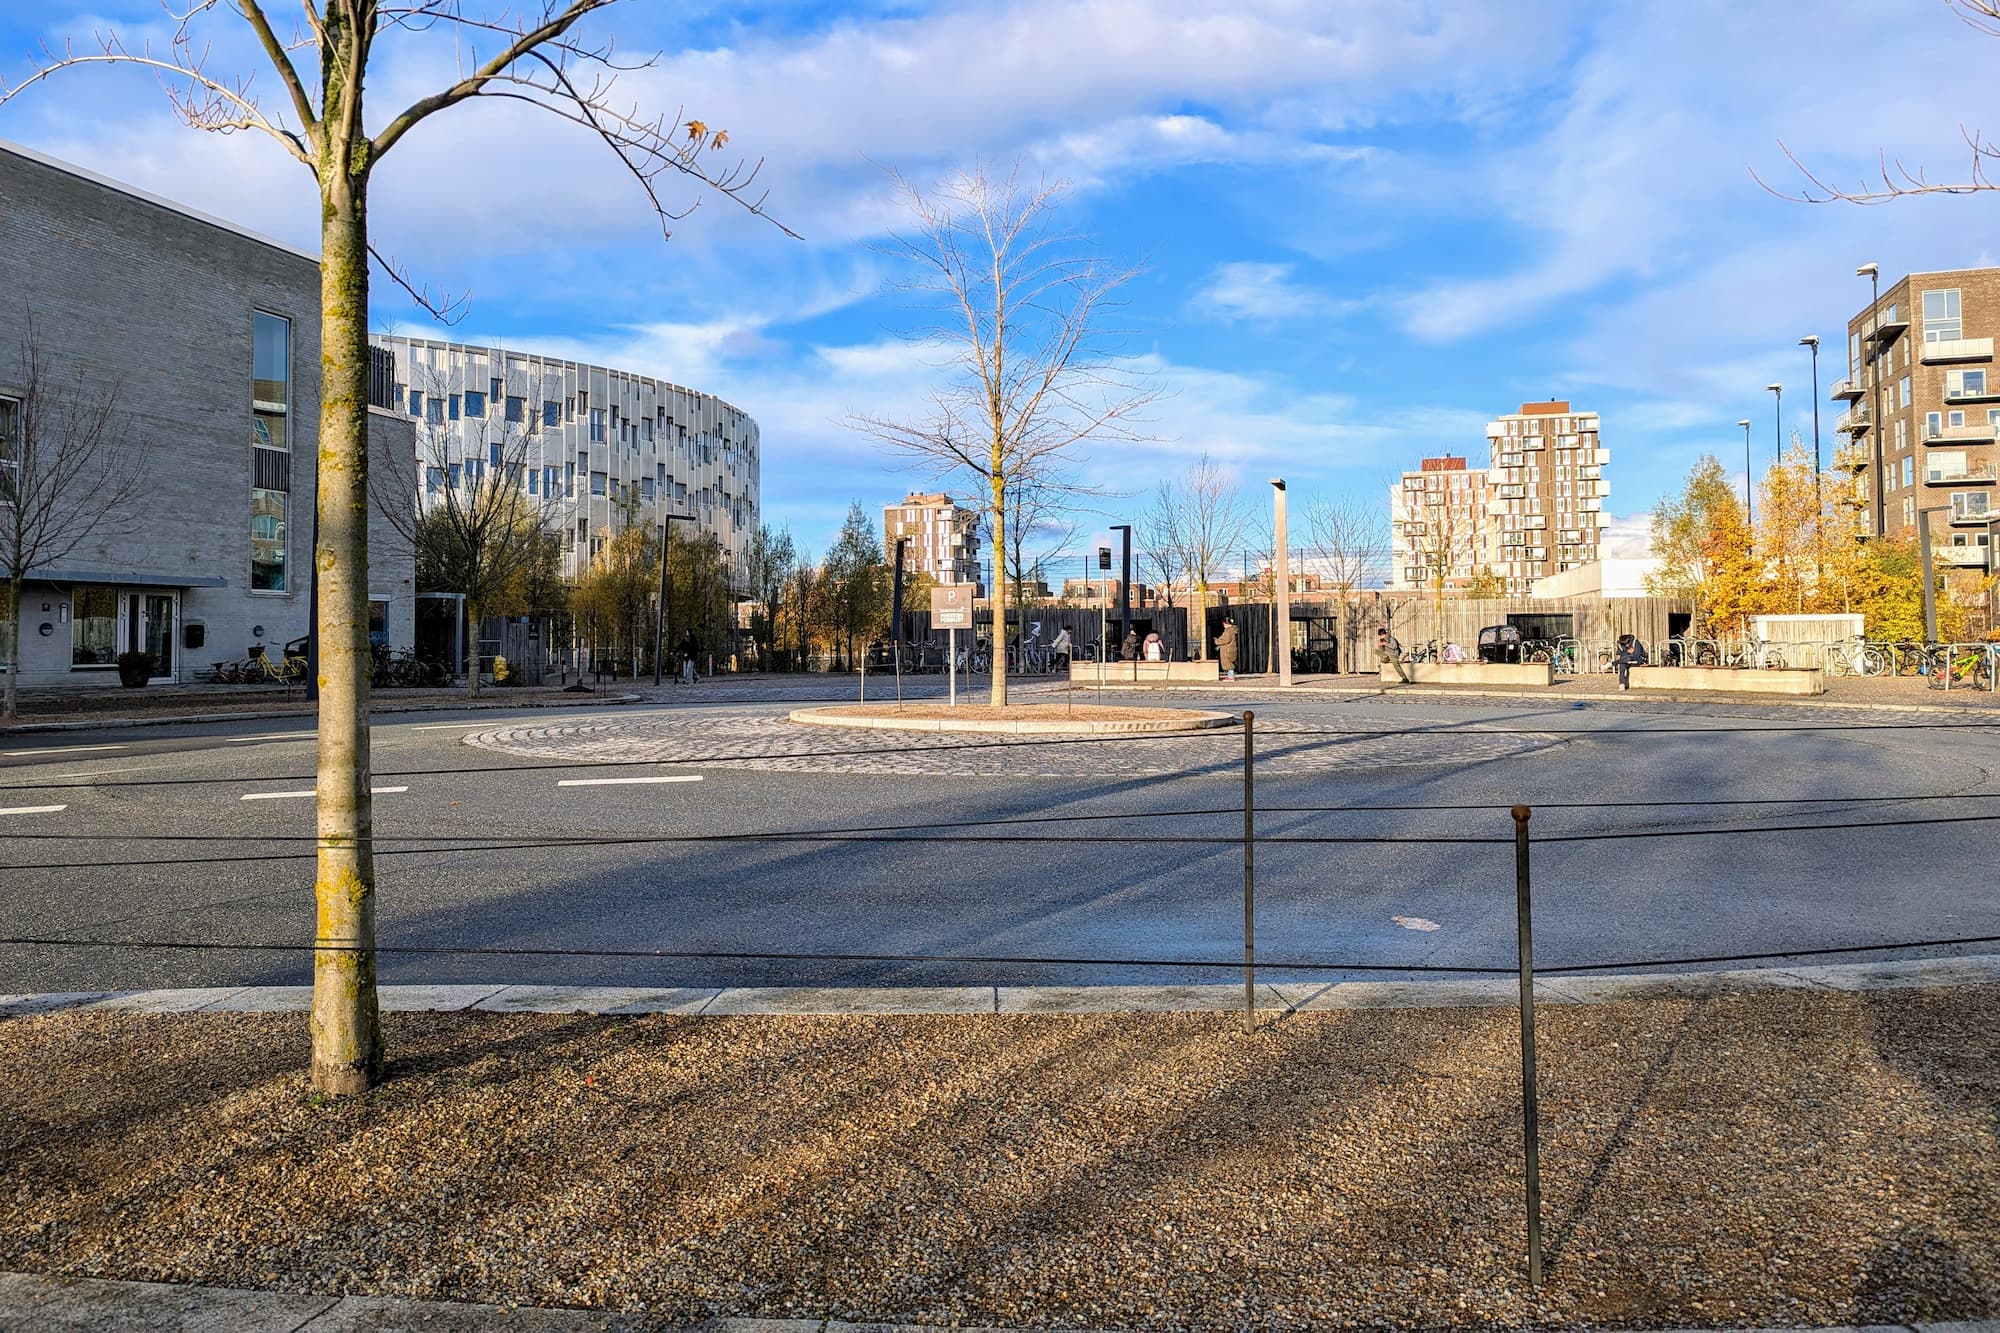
1778,421
1281,624
1873,272
1749,510
896,616
1124,585
1811,343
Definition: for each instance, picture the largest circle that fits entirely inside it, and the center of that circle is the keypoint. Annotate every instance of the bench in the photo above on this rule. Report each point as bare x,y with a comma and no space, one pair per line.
1473,673
1124,673
1735,680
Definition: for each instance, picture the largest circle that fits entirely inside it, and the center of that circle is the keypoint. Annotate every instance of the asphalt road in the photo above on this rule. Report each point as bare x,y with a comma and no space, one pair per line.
488,849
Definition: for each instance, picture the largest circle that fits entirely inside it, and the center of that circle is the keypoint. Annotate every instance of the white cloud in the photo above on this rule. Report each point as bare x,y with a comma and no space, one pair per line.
1259,292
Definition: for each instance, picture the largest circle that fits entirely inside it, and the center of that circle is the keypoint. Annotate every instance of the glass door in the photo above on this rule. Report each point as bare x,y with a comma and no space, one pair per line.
148,625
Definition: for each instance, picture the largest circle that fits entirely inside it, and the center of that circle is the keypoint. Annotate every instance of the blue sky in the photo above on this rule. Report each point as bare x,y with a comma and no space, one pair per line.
1366,228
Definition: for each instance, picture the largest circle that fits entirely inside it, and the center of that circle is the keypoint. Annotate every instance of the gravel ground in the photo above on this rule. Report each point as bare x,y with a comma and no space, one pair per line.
1799,1158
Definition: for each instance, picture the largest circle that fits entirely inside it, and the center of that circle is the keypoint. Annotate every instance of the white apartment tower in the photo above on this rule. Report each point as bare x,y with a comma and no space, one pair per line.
943,537
581,438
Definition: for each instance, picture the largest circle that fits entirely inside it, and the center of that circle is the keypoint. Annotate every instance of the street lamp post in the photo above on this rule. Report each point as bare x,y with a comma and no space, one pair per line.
1281,625
1749,509
1124,584
1811,343
1873,272
896,616
1777,421
667,522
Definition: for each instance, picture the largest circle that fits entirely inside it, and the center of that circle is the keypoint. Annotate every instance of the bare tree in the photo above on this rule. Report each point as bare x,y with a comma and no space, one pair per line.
1346,538
1040,521
1029,371
532,55
1203,514
483,522
1897,180
69,470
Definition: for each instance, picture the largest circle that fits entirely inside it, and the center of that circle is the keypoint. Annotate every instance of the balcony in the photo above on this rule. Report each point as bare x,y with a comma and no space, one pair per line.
1972,515
1890,325
1978,432
1985,391
1968,556
1850,458
1941,350
1854,422
1976,474
1846,389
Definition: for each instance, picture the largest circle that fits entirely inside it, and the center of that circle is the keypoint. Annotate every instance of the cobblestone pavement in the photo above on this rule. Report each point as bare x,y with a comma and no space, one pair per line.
766,740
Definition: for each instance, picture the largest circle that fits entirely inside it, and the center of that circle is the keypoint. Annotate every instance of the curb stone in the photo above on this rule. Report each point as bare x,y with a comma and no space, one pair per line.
1729,698
1551,987
375,710
84,1305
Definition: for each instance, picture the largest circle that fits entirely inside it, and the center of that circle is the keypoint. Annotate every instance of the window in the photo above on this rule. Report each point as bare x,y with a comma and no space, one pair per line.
596,425
434,411
1941,316
1903,391
646,487
1933,425
1909,478
1969,505
93,627
433,480
1964,384
10,448
378,624
475,403
1902,435
551,414
1955,418
534,481
416,402
493,453
1944,465
453,413
597,483
270,444
517,409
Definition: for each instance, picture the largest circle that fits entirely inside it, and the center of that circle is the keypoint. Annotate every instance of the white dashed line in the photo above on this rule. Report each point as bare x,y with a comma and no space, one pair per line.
60,749
624,782
274,736
33,809
449,726
295,795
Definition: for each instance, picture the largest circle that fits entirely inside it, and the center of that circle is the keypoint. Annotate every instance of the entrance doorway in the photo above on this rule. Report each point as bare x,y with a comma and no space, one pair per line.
147,622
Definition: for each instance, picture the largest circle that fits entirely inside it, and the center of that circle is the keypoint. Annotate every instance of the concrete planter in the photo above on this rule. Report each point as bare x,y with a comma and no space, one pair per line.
1473,673
1125,673
1736,680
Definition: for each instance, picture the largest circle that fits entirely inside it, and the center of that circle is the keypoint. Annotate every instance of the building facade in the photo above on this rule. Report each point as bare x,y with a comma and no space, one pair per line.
1438,521
1546,492
589,443
1923,410
943,537
199,342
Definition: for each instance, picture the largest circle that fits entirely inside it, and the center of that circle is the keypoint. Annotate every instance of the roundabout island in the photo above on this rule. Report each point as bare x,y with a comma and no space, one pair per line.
1015,719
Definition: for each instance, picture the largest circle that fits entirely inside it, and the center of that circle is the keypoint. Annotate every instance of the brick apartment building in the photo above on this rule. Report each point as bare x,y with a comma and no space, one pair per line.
1923,410
1546,492
1438,521
943,537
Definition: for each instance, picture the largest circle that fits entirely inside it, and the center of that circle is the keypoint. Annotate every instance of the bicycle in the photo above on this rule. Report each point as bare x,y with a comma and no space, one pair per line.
1854,657
1967,664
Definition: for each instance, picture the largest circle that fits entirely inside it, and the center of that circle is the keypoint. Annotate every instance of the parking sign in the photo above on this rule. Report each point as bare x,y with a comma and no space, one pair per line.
951,606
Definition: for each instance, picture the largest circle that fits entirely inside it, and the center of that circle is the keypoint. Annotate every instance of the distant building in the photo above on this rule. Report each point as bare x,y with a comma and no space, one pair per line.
943,537
1438,523
1924,407
1546,492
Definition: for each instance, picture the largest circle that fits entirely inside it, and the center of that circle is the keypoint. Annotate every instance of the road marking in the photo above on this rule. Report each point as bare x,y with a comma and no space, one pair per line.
449,726
60,749
100,772
294,795
33,809
624,782
273,736
1414,923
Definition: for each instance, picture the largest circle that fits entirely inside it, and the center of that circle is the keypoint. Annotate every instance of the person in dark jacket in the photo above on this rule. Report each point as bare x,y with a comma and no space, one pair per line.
1389,653
1225,649
1129,650
1631,653
690,649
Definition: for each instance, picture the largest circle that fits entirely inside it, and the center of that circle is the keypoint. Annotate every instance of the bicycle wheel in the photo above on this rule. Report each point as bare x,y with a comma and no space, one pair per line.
1772,659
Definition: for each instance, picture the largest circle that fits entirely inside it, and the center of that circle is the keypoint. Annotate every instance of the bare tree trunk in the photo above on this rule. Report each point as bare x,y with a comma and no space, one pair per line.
998,697
472,621
10,644
346,1028
1200,627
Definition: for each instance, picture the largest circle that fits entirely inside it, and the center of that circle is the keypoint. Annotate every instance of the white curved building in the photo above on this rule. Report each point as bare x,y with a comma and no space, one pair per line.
582,436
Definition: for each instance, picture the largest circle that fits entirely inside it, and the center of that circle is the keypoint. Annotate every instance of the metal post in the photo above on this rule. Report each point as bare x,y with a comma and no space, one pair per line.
951,663
660,621
1531,1132
1281,582
896,617
1125,589
1930,591
1249,872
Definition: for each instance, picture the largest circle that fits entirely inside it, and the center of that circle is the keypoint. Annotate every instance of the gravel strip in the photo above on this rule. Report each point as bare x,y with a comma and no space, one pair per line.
1786,1158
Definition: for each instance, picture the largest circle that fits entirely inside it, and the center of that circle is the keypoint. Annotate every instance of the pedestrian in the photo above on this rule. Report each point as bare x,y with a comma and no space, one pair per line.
1129,650
690,649
1225,648
1390,653
1156,651
1059,650
1631,653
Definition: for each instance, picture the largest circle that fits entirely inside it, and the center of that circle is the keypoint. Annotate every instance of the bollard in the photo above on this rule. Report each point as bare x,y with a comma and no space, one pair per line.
1249,872
1531,1132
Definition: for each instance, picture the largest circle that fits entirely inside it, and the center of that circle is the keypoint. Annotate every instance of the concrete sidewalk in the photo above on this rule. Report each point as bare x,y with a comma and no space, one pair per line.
1274,998
86,1305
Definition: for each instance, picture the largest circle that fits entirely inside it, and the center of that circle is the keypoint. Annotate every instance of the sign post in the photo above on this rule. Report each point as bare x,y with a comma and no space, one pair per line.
951,611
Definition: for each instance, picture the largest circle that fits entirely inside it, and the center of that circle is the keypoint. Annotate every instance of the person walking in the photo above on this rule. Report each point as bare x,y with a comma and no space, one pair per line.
1129,650
1225,648
690,649
1390,653
1060,649
1631,653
